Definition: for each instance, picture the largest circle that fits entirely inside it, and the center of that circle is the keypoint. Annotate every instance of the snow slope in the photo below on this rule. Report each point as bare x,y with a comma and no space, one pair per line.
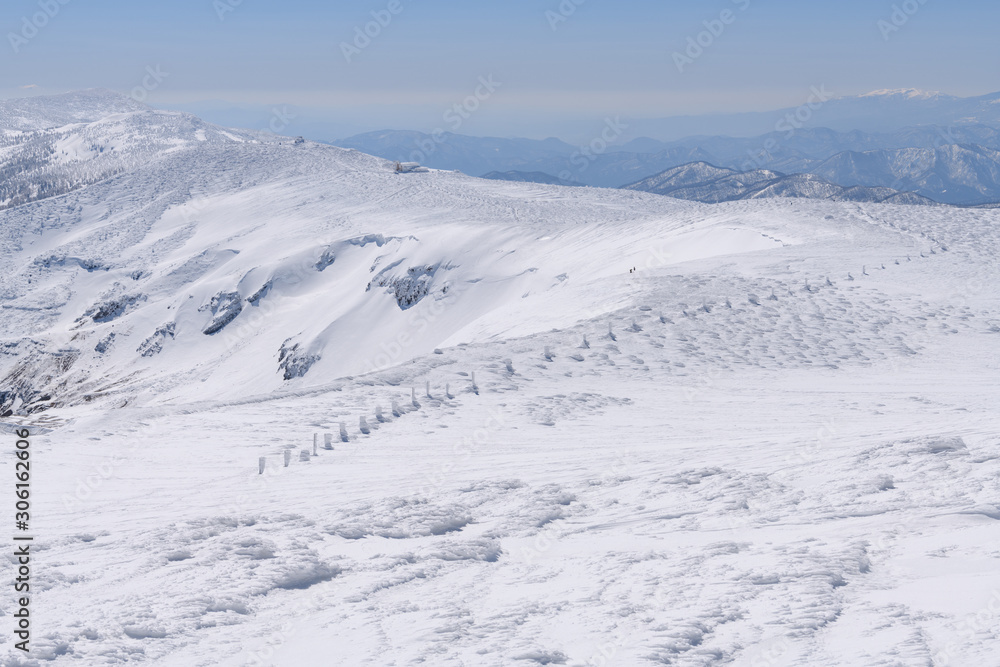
775,443
700,181
47,112
53,145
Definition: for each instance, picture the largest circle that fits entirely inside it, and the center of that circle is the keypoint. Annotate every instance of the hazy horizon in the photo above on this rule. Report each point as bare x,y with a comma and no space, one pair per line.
314,352
556,67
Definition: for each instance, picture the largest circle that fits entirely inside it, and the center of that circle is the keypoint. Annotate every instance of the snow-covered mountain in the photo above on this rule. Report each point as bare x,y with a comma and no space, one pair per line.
808,146
527,177
877,111
52,145
954,164
46,112
700,181
168,266
565,426
954,174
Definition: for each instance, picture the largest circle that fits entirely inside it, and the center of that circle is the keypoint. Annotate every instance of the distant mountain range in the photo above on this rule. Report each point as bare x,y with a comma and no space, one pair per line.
957,162
954,165
964,174
877,112
700,181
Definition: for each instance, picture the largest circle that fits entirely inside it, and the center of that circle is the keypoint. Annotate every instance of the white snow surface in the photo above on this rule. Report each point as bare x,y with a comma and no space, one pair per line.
776,443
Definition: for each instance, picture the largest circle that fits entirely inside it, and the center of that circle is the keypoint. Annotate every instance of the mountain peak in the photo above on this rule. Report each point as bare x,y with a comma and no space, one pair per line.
907,93
47,111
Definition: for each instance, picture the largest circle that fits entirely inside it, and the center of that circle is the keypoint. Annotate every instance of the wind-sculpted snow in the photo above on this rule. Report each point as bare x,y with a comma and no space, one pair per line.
652,517
703,182
524,424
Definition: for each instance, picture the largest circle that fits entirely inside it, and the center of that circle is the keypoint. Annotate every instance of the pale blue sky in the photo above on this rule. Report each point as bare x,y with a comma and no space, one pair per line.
604,58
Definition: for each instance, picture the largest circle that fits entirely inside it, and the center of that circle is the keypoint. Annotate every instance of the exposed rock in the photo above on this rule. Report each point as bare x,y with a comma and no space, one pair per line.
408,290
256,297
326,259
105,343
226,306
295,364
111,308
154,344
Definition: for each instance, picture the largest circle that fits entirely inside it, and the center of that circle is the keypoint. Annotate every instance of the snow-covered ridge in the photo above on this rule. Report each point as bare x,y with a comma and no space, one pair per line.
209,248
85,138
316,262
205,251
703,182
45,112
567,425
908,93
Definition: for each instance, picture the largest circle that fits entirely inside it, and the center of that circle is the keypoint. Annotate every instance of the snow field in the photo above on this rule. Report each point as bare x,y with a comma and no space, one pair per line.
761,448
